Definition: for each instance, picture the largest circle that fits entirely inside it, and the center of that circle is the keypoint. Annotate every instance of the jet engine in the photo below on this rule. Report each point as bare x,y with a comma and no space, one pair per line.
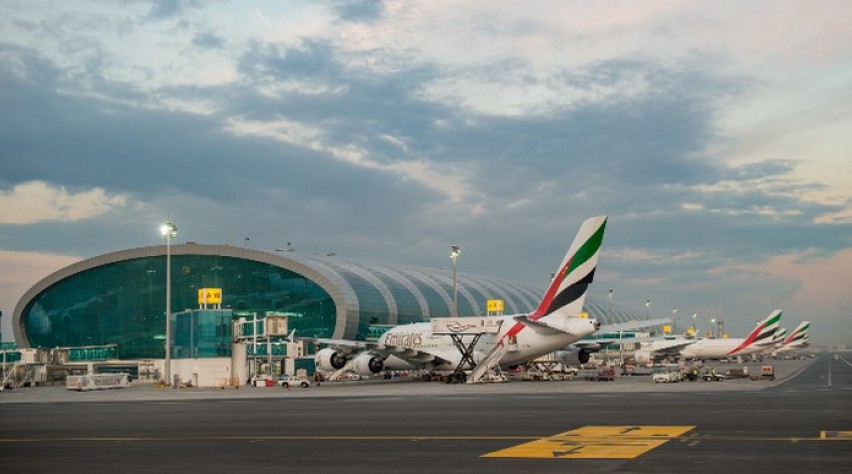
330,360
573,356
367,364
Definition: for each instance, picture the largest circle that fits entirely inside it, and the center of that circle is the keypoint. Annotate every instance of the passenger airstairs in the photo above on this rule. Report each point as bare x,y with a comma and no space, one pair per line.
11,379
9,375
488,368
336,375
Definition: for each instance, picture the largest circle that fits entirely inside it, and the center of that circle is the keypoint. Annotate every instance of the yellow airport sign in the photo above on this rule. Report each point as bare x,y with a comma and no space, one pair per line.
494,306
667,329
209,296
596,442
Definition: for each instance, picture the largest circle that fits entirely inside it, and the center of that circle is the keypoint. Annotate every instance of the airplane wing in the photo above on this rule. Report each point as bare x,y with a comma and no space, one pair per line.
632,325
672,347
593,345
412,356
347,346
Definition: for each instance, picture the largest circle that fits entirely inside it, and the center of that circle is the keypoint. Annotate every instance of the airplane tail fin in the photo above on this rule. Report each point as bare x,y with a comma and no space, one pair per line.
798,334
763,333
567,291
780,336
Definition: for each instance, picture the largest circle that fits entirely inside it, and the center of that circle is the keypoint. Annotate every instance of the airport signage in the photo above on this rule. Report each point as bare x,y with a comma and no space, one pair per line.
209,296
494,306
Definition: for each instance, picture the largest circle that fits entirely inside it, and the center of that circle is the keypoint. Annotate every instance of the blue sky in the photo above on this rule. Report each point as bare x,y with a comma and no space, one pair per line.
714,135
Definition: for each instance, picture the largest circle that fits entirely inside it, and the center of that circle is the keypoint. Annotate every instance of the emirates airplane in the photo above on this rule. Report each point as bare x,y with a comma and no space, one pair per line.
555,323
717,348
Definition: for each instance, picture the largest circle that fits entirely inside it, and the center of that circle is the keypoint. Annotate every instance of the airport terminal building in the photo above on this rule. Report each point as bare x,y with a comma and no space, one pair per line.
118,299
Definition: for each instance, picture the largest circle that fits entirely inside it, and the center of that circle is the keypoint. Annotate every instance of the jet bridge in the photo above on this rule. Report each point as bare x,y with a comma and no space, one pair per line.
472,328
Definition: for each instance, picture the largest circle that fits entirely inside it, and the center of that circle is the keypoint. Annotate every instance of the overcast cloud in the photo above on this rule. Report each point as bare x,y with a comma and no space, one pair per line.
715,136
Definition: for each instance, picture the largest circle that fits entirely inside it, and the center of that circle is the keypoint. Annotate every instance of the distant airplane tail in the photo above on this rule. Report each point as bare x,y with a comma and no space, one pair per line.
567,291
763,333
799,334
780,336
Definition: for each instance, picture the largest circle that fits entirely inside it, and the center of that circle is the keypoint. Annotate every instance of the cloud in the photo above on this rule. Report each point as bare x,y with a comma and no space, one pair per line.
164,9
37,201
208,40
358,10
304,126
365,129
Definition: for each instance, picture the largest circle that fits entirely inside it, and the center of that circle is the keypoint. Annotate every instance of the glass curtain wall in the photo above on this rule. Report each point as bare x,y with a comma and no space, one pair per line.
123,303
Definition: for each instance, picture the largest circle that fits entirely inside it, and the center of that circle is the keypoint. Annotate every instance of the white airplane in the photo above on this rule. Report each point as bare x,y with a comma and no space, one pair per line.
555,324
759,339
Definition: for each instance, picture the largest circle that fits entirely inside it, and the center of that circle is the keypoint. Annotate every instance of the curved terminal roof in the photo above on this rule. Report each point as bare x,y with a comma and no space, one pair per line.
399,293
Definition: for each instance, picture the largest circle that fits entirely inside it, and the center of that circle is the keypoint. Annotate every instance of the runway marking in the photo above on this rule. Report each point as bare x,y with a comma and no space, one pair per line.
836,435
595,442
845,361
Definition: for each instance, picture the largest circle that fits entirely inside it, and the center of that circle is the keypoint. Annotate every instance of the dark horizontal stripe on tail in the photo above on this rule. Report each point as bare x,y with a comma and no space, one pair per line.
571,293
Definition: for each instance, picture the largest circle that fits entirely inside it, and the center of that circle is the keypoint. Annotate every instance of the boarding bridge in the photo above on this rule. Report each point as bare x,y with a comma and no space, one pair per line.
475,328
258,338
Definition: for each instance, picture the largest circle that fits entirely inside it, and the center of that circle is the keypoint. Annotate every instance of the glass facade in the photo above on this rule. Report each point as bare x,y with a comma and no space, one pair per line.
199,334
92,353
123,303
407,308
8,357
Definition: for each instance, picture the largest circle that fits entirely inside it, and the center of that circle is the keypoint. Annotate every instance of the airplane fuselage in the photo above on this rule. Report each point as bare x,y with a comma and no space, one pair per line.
526,345
717,349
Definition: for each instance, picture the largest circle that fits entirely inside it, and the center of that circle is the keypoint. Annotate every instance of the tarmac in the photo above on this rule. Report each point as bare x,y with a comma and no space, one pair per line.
800,422
784,370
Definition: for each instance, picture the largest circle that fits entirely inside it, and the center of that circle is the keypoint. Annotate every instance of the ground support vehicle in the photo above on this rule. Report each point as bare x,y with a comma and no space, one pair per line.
711,376
287,381
665,373
767,372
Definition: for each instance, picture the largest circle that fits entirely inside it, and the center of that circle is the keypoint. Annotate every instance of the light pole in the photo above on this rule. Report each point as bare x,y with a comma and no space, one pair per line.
611,291
674,324
694,329
455,250
713,327
169,230
648,309
620,331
